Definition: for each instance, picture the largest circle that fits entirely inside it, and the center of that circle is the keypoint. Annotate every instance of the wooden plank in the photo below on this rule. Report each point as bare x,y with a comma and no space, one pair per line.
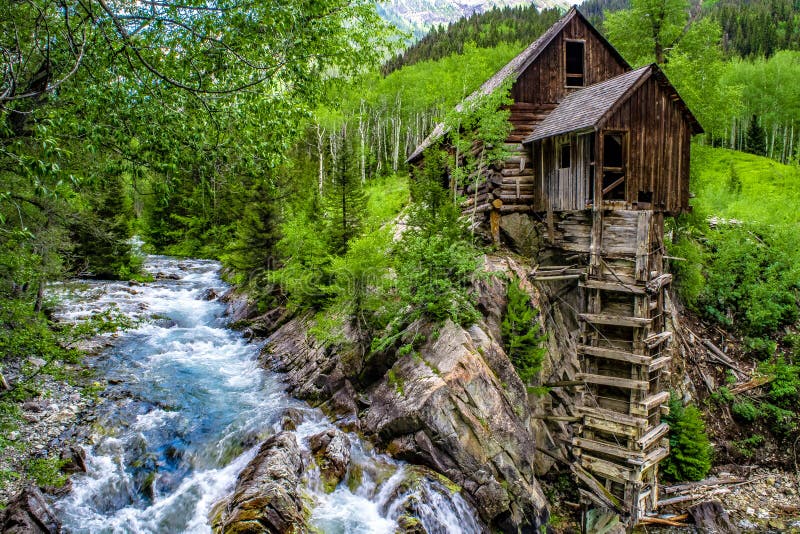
615,354
608,448
614,286
659,363
653,436
654,400
627,383
607,469
601,423
638,423
614,320
606,497
656,284
654,340
654,457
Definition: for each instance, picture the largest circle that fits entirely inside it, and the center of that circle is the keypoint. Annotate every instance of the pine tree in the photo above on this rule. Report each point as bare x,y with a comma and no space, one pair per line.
257,232
756,138
690,454
521,333
102,236
345,201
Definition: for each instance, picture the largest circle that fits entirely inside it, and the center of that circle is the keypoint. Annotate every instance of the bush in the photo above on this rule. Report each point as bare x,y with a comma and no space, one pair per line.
745,411
521,333
690,456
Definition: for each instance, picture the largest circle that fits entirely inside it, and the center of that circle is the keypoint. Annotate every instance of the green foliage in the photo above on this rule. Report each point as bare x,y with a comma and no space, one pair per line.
435,261
745,411
784,390
722,396
746,447
522,333
519,25
690,449
756,141
46,472
345,201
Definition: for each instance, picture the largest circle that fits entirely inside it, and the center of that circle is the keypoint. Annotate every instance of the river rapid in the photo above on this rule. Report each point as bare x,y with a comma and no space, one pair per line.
185,410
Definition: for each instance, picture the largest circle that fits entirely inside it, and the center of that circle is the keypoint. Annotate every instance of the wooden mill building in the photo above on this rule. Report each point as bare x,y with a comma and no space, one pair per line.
599,155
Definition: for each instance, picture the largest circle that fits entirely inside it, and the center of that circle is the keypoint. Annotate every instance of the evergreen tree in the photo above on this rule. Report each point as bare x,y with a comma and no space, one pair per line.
756,138
521,333
690,454
101,236
345,201
257,233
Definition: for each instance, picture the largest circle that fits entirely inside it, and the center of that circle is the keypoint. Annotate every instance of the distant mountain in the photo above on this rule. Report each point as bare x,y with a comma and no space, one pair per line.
419,16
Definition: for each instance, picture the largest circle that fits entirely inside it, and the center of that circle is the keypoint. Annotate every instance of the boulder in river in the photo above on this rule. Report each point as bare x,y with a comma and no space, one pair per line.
29,513
331,448
266,497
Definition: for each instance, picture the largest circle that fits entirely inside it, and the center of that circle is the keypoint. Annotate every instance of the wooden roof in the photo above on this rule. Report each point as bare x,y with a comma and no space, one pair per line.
587,108
514,68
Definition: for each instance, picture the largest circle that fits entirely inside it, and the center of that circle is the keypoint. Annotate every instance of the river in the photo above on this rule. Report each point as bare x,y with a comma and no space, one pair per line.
187,405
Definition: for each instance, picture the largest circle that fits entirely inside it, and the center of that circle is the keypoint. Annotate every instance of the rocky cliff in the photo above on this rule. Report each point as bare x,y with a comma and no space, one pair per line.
453,403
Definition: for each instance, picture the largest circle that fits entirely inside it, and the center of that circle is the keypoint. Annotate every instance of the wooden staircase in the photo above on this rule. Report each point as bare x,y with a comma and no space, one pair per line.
619,439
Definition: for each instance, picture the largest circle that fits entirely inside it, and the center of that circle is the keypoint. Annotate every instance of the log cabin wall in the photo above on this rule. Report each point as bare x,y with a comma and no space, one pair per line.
658,137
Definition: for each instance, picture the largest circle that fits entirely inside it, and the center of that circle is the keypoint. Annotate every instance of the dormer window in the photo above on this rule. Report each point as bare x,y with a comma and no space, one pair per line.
574,63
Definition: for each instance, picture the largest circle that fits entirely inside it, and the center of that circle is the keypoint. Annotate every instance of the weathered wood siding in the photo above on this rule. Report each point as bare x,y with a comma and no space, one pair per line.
563,189
543,81
659,137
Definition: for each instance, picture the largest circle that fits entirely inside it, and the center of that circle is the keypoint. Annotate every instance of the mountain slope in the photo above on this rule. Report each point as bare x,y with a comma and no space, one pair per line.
419,16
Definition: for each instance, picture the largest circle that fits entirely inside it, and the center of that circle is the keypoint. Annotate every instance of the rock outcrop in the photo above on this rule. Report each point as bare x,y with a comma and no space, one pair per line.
456,405
331,449
266,497
29,513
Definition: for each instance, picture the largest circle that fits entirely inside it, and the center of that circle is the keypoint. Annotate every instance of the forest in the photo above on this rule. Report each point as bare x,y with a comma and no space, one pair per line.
273,137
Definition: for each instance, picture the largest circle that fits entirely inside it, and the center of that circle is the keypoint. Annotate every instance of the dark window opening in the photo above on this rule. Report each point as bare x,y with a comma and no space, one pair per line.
613,185
565,162
612,151
645,197
574,52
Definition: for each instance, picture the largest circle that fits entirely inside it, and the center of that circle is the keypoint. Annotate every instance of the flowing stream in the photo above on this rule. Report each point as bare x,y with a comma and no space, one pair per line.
185,410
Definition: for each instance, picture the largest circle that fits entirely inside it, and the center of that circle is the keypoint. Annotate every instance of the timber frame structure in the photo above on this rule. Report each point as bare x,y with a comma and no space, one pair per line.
599,155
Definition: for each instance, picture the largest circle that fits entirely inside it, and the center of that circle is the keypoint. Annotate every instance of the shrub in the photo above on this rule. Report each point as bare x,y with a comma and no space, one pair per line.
745,411
521,333
690,456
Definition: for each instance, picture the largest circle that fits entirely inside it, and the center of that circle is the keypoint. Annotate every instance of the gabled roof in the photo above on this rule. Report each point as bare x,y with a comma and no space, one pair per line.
515,68
589,107
583,109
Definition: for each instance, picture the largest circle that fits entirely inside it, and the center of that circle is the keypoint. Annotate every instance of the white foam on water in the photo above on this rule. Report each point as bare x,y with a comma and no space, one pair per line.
192,394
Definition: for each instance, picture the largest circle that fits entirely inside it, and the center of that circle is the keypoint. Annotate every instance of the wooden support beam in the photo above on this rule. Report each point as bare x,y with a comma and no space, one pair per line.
556,278
598,490
655,400
615,320
608,448
611,427
637,423
659,363
653,436
614,354
608,469
614,286
627,383
654,340
656,284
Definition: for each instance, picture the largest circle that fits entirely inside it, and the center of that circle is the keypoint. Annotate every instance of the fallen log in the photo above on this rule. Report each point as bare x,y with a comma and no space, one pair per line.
752,384
659,521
